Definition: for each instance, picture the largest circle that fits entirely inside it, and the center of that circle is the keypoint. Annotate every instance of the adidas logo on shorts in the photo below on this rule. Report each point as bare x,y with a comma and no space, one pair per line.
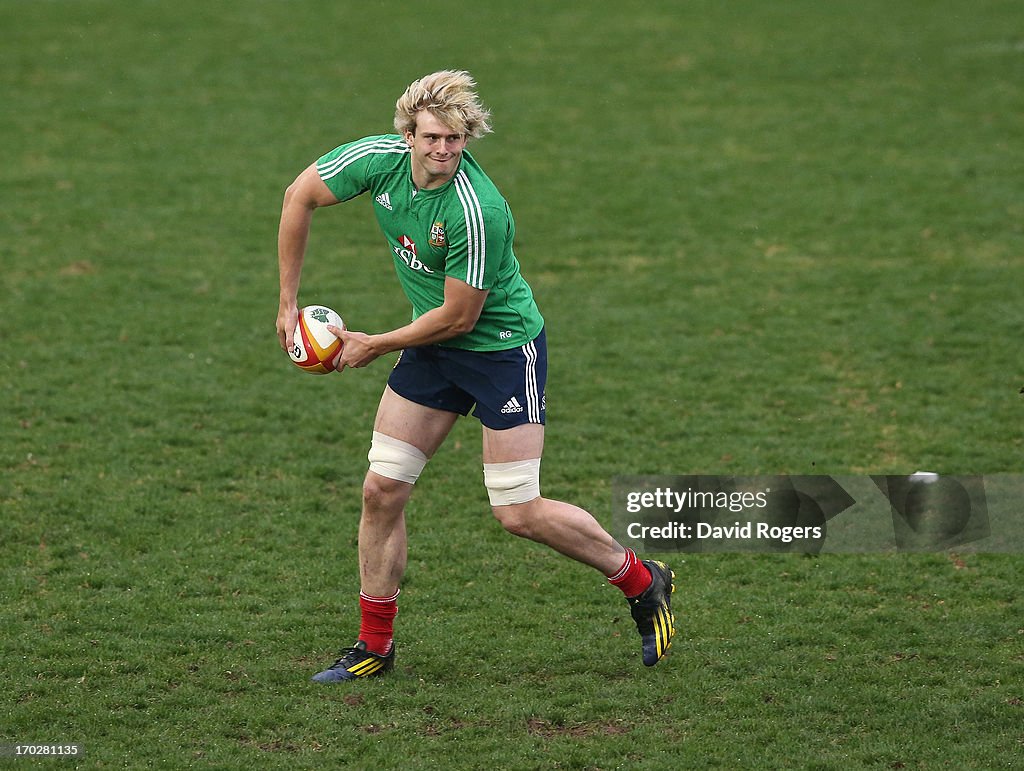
511,406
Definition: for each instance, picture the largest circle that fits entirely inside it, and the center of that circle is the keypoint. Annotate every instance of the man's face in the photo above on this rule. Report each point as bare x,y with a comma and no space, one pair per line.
436,151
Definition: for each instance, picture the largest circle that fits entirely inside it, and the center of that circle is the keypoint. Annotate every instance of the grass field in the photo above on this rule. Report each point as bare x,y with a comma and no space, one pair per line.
767,239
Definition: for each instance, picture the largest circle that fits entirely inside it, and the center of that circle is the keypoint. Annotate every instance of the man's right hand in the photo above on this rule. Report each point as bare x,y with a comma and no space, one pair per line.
287,319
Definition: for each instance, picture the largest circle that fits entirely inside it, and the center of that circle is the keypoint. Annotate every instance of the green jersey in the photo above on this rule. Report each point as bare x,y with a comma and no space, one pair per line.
462,229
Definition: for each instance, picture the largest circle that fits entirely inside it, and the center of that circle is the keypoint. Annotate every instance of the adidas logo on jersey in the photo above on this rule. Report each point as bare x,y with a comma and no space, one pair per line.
511,406
384,199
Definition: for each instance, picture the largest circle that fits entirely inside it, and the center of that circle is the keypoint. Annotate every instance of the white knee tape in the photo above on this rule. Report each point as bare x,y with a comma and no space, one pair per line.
395,459
511,483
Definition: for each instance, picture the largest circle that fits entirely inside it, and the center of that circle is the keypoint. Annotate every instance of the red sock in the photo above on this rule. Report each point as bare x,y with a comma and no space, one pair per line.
376,628
633,578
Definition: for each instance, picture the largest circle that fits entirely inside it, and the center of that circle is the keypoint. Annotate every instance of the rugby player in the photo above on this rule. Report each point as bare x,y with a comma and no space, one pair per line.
476,342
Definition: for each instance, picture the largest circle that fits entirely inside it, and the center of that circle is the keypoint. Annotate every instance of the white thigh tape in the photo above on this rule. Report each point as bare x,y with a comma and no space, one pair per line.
395,459
511,483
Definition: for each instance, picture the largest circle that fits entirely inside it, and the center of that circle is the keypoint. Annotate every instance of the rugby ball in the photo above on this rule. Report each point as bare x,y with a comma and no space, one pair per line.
315,349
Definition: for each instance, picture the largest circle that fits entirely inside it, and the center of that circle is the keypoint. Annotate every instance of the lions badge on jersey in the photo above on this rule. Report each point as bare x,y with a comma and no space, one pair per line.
438,239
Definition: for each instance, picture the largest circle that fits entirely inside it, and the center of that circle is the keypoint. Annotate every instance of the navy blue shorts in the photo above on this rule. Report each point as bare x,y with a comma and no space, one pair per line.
507,387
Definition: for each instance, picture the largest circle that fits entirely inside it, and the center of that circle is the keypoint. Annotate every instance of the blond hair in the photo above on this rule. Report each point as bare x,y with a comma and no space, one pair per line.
450,96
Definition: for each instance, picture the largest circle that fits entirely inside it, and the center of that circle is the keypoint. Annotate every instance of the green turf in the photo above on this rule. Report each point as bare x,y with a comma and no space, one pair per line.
767,238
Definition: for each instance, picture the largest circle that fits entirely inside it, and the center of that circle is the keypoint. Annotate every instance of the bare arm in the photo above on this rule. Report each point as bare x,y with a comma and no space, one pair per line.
457,315
306,194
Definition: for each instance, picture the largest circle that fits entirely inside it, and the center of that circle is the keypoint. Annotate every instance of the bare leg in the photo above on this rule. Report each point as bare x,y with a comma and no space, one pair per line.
566,528
382,539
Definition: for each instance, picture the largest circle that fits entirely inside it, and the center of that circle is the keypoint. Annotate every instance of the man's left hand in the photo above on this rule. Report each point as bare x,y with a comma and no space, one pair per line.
357,349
